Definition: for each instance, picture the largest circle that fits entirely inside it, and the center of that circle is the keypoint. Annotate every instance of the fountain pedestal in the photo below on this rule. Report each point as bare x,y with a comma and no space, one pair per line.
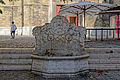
50,67
59,49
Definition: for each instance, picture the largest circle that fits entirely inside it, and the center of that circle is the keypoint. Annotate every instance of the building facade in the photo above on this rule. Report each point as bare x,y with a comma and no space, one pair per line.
28,13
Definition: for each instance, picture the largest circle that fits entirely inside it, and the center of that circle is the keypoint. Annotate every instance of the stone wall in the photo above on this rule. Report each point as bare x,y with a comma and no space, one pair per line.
11,11
34,13
117,2
37,12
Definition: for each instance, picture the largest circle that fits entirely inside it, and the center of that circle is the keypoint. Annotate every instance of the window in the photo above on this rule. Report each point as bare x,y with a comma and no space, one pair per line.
71,18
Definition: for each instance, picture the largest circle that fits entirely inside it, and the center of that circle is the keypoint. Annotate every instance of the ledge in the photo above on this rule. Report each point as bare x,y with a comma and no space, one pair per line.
60,57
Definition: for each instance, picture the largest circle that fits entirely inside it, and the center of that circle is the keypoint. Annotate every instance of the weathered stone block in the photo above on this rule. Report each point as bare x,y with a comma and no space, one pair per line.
58,66
59,37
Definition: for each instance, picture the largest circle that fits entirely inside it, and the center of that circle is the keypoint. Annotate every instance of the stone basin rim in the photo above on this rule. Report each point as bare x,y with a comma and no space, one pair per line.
60,57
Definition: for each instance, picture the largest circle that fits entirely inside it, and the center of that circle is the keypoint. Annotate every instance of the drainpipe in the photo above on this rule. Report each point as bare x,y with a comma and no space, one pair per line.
12,10
22,4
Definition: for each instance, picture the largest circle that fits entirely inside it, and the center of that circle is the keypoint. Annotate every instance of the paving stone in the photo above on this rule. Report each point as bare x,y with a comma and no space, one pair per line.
18,42
103,44
27,75
29,42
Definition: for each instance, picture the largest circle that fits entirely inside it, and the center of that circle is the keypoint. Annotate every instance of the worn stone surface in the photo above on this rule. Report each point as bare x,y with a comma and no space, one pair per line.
15,59
59,37
27,75
29,42
58,66
18,42
104,58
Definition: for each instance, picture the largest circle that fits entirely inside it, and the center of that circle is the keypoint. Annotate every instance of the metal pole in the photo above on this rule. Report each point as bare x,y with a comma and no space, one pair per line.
101,34
84,18
118,26
89,34
113,34
22,4
84,15
107,34
96,34
77,19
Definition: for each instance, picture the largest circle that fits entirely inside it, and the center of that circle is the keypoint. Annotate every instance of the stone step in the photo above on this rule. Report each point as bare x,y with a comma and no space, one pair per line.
16,50
15,67
98,56
104,61
15,56
104,66
104,56
16,61
102,50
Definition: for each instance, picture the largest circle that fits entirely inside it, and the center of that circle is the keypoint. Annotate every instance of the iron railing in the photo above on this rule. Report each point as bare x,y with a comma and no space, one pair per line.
103,33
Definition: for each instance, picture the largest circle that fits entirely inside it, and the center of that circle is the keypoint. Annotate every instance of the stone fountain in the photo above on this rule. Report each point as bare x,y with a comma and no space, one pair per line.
59,49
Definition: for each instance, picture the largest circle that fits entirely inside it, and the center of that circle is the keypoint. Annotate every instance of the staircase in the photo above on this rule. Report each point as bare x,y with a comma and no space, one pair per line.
15,58
20,58
104,58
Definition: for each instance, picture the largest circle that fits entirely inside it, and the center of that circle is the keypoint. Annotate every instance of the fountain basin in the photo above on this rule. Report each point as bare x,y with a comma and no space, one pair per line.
61,66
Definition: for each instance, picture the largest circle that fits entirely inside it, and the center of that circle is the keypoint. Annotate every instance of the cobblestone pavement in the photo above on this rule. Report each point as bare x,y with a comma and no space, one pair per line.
103,44
18,42
27,75
29,42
